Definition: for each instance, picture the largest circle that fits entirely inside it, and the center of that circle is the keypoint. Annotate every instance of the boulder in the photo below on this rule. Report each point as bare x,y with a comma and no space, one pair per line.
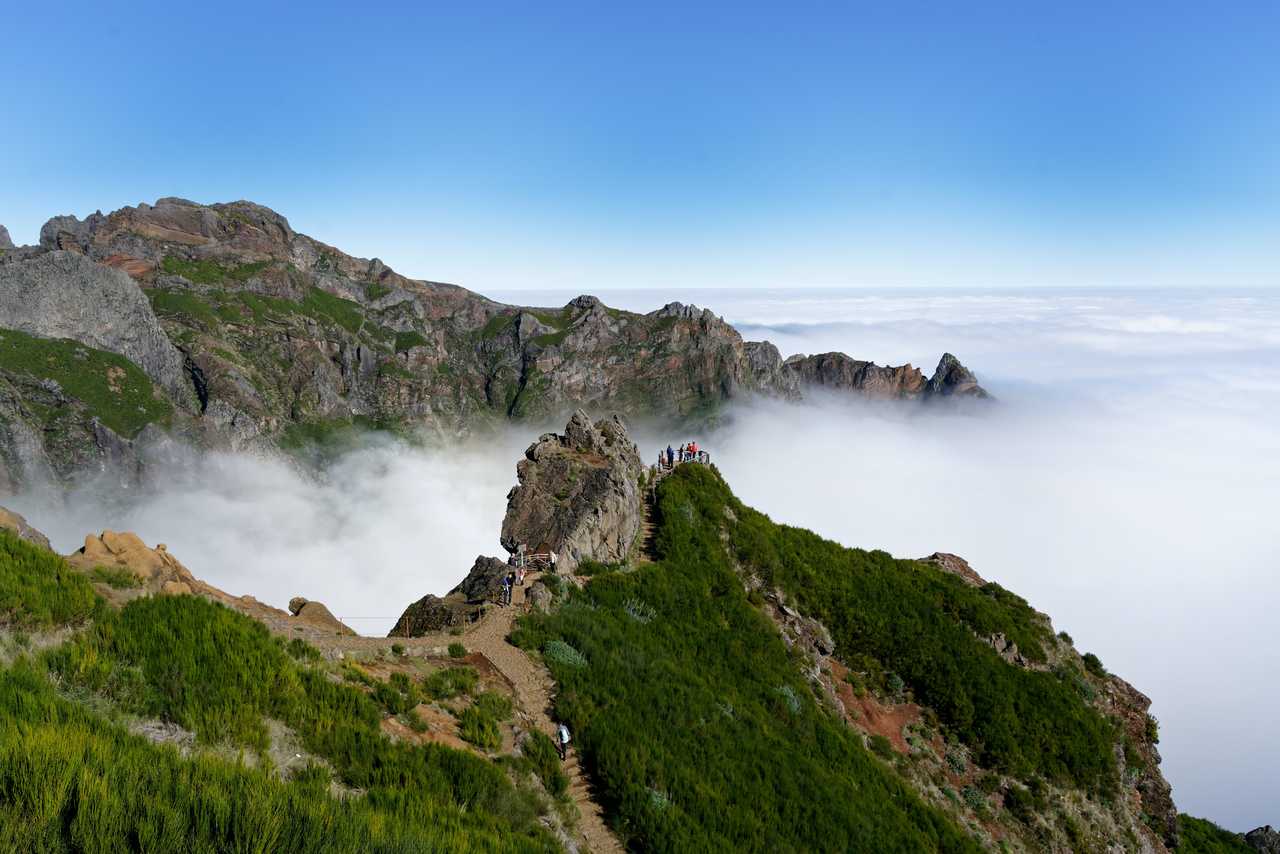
428,615
578,494
159,571
539,596
317,615
1263,839
955,565
63,294
11,521
484,582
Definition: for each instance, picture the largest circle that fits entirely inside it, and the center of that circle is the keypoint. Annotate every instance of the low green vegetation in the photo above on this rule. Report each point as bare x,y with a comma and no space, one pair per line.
1200,836
457,650
38,589
220,675
479,722
116,577
205,271
74,779
913,620
406,341
112,387
544,761
450,682
695,722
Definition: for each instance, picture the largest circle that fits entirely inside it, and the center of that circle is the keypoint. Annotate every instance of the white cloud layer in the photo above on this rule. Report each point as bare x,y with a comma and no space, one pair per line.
1126,483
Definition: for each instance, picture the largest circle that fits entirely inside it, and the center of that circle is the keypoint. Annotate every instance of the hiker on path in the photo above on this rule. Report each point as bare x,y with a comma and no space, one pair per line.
553,560
682,453
562,740
507,581
671,457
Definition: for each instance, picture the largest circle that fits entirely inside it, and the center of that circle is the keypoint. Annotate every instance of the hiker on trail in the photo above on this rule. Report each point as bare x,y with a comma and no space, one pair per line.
520,572
553,559
671,457
562,740
682,453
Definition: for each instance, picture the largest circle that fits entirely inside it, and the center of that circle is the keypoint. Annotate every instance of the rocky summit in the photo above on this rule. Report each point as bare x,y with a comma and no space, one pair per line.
244,332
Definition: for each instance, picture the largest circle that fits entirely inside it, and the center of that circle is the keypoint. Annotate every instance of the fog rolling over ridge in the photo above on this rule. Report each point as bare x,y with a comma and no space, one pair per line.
1125,483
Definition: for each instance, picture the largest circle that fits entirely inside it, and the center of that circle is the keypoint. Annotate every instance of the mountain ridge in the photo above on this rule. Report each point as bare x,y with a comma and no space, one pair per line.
275,338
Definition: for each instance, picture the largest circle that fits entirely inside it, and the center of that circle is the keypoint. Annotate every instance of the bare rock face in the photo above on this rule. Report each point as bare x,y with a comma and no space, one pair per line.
5,241
484,582
578,494
428,615
65,295
317,615
955,565
156,569
14,522
952,379
1265,840
838,372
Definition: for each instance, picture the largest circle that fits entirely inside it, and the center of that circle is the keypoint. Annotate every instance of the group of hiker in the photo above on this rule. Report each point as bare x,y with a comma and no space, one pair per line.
520,563
687,453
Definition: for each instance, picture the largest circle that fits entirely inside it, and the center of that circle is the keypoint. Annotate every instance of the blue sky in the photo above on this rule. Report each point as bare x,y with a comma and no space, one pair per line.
576,146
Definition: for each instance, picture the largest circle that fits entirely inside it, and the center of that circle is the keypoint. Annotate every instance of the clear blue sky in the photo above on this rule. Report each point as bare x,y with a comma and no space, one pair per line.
576,145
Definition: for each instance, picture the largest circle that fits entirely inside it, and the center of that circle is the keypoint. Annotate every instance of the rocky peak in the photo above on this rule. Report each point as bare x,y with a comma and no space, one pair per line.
5,241
952,379
838,372
578,494
1265,839
14,522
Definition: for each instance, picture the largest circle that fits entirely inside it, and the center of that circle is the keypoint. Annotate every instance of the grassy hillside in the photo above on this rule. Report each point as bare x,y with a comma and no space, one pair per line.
690,712
1200,836
925,626
74,778
110,386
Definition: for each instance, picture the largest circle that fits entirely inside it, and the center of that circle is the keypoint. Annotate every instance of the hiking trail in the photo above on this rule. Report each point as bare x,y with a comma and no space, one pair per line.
533,689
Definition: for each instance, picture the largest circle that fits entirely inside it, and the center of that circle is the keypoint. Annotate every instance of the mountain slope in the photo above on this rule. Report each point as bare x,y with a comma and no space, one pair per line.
274,336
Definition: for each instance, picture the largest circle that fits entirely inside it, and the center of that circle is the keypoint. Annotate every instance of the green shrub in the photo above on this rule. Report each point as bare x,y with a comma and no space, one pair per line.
494,705
543,756
1093,664
479,728
397,649
457,650
882,747
564,654
1200,836
451,682
406,341
39,589
117,577
300,650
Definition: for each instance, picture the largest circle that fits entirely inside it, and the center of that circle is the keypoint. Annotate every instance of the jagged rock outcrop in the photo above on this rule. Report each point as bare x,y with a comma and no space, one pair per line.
484,582
1264,840
5,241
274,329
955,565
428,615
14,522
838,372
952,379
578,494
316,614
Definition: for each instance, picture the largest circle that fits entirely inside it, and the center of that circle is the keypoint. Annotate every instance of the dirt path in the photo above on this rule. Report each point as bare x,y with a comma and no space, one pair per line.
533,688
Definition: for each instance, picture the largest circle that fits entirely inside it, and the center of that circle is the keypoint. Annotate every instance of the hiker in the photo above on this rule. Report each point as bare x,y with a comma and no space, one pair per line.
671,457
520,572
562,741
682,453
553,559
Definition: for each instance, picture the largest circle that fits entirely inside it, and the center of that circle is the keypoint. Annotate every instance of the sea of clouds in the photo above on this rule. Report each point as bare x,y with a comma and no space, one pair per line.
1126,482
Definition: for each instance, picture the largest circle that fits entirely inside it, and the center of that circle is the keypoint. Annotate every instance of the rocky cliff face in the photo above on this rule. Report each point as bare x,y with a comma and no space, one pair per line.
5,241
578,496
266,335
838,372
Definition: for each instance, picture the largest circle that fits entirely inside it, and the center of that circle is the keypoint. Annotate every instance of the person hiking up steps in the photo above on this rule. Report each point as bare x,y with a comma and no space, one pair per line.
562,740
